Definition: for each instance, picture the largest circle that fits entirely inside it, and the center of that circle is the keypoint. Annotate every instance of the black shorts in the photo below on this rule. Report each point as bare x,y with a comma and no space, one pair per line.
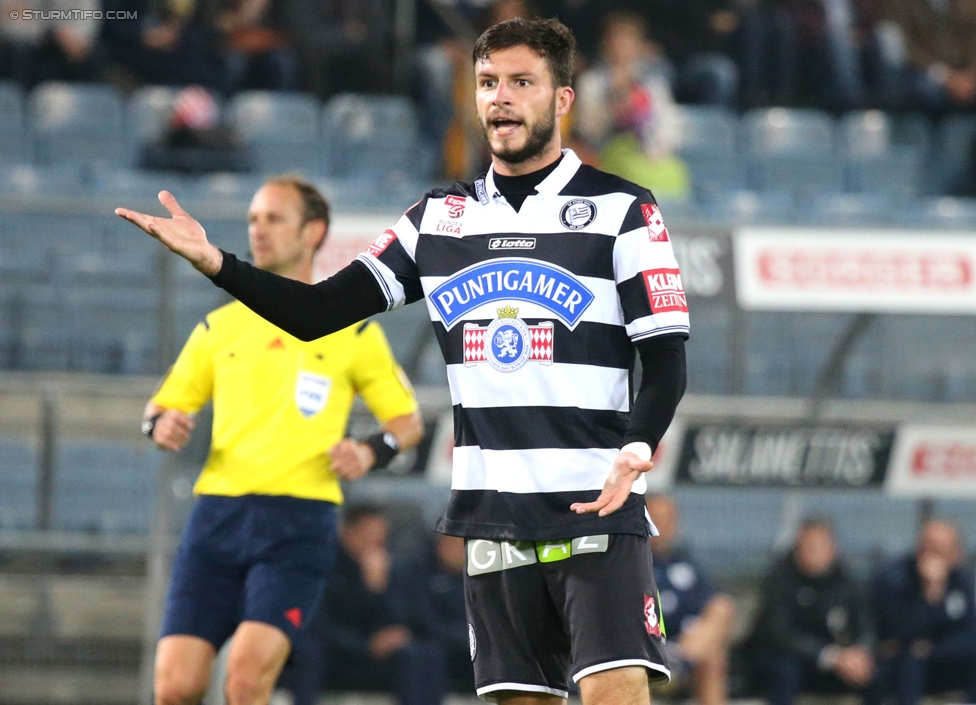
540,612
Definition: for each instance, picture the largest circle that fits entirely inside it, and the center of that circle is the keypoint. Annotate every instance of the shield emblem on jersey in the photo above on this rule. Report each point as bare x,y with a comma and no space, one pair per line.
311,393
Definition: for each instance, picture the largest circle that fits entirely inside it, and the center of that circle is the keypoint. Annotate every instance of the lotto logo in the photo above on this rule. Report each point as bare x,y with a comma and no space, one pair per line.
664,290
382,242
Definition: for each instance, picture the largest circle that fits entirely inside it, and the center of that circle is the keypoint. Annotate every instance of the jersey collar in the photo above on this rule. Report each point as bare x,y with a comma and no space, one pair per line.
549,186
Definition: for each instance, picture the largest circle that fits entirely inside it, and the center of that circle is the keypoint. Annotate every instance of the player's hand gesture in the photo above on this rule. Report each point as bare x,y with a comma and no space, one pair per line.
181,234
626,469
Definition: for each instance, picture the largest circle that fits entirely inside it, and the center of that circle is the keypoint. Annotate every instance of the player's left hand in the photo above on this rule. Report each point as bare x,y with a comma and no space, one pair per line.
626,469
351,459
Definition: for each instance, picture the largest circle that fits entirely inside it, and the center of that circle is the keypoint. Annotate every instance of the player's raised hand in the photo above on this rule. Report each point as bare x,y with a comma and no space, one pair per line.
626,469
181,234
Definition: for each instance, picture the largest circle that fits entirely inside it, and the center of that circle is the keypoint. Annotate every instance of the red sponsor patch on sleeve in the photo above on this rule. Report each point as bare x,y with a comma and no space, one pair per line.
656,231
665,292
382,242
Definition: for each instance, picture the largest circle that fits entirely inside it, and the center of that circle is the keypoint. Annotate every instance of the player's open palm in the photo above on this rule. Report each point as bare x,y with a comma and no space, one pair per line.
180,233
626,469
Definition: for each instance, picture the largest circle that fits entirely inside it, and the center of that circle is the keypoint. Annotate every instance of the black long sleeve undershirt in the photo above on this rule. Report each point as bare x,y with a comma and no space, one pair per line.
663,382
307,311
310,311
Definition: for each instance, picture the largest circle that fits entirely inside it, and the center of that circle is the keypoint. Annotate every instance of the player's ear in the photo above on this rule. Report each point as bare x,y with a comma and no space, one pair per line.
315,232
564,100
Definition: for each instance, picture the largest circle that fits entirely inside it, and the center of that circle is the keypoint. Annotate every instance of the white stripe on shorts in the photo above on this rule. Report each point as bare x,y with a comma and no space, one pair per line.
621,664
485,692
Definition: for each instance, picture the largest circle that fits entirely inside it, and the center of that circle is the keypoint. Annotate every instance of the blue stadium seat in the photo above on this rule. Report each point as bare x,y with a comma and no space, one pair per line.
19,459
225,186
104,487
868,210
941,212
874,162
280,128
750,207
126,183
370,135
953,153
114,328
148,112
44,331
791,149
707,131
14,146
27,180
79,123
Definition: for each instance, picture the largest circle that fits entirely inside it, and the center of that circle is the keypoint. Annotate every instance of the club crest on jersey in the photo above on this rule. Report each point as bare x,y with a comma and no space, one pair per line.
506,278
311,393
578,213
507,343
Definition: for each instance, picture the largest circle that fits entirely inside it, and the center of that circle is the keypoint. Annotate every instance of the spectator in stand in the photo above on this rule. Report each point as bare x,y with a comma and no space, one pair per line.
429,594
812,632
344,45
259,52
698,620
940,49
926,619
625,113
39,50
171,42
365,647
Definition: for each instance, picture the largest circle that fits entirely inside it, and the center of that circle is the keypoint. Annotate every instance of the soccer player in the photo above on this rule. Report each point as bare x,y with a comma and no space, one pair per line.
541,278
262,536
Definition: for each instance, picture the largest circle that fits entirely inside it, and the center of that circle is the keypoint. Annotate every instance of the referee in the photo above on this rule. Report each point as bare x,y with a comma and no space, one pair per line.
543,278
261,539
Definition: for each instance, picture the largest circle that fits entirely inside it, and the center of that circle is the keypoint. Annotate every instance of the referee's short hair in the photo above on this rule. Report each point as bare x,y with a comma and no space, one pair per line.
314,204
550,39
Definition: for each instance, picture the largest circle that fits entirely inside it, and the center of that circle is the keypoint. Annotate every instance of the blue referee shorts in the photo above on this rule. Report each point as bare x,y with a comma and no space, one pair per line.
251,558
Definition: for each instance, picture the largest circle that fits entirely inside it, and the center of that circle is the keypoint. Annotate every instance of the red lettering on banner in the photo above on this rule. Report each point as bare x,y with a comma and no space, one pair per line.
949,461
665,292
864,270
455,206
656,230
382,242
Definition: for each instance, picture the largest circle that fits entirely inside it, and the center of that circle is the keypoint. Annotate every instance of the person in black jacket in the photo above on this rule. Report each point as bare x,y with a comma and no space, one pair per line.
812,631
926,619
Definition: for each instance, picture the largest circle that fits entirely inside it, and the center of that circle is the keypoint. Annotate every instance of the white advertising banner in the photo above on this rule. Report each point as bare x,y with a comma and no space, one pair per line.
807,269
933,461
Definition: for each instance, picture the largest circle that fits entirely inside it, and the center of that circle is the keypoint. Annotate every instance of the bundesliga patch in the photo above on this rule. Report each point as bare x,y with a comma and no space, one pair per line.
664,290
656,231
508,343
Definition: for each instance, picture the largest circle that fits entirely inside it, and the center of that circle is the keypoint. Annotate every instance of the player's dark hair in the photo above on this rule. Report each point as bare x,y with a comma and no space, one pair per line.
550,39
314,204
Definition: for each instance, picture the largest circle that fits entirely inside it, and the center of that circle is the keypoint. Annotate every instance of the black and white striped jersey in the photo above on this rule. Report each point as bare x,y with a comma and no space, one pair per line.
535,312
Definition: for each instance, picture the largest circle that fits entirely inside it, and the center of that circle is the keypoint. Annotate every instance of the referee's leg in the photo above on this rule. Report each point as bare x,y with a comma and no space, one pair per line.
183,667
257,654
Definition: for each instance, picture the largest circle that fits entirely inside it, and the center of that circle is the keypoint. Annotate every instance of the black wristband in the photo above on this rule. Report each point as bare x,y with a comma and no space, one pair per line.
385,447
149,425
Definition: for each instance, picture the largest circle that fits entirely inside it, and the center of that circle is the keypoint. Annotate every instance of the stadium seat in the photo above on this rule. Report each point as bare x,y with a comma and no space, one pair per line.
114,328
280,128
706,131
791,149
78,123
867,210
941,212
127,183
18,482
750,207
148,111
14,146
874,162
27,180
224,186
101,486
369,135
953,154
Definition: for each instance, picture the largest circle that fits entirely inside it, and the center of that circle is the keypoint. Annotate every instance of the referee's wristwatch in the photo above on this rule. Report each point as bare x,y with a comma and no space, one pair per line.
149,425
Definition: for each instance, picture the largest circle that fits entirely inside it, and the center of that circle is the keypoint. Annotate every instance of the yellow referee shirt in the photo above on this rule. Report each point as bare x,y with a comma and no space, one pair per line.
280,404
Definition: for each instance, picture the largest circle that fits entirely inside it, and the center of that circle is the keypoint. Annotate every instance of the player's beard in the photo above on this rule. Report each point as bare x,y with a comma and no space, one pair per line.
540,134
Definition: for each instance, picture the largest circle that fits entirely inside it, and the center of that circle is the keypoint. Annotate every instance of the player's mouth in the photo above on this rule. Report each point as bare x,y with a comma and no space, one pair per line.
504,127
